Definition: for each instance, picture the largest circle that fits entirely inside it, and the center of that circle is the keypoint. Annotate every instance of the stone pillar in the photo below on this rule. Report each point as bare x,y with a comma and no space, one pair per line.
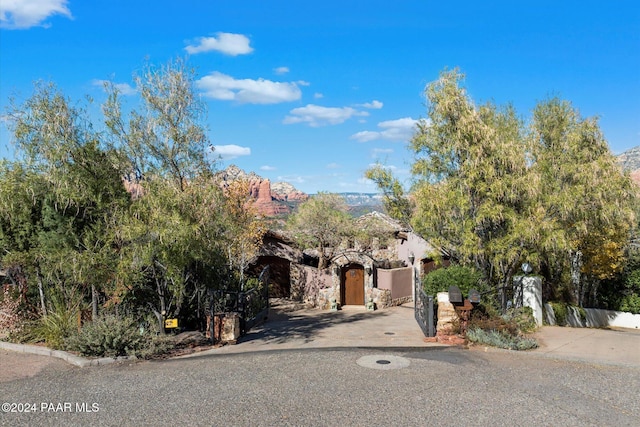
532,296
226,327
446,315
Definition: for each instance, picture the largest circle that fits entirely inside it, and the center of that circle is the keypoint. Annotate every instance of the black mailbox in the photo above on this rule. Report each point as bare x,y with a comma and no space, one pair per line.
474,296
454,294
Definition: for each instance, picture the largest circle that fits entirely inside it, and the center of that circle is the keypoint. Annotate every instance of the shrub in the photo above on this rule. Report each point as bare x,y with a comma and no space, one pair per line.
487,326
500,339
630,303
522,318
60,322
461,276
485,318
112,336
560,312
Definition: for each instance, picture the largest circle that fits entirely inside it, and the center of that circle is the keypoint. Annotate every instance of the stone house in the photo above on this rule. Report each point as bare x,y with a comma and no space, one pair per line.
385,271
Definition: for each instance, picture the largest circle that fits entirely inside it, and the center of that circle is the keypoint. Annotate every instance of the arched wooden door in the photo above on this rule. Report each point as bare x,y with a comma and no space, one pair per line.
352,289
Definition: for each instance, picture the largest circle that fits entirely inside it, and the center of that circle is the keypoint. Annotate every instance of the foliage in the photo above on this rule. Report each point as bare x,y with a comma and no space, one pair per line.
61,321
623,291
396,204
588,203
321,222
522,318
465,278
560,312
243,229
164,137
56,222
495,191
112,336
501,340
69,226
487,326
630,303
471,180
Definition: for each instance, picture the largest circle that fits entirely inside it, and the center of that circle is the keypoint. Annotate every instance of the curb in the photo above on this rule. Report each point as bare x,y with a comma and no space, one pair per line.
72,359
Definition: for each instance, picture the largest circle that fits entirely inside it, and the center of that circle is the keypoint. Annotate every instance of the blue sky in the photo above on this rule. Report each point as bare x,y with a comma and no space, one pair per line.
313,92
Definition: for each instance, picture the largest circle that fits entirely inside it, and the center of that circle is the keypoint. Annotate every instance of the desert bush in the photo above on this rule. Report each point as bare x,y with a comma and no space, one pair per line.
488,326
463,277
500,339
522,318
560,311
630,303
60,322
112,336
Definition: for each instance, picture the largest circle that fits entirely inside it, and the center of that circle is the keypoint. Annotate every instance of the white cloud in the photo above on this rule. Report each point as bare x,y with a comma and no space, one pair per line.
123,88
366,136
281,70
21,14
318,95
376,151
333,166
227,43
315,115
374,105
390,167
292,178
267,168
392,130
228,152
247,91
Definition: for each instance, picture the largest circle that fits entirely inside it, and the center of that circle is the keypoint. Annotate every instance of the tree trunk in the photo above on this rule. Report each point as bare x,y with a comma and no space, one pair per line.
163,305
576,269
41,292
94,302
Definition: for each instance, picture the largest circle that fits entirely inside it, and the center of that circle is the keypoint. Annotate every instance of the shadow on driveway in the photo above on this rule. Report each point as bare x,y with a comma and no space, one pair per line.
309,325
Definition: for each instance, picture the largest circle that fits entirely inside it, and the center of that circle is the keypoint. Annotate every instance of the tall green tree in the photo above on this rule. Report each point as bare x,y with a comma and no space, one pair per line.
165,152
243,228
60,152
495,191
395,201
322,222
588,202
471,181
165,136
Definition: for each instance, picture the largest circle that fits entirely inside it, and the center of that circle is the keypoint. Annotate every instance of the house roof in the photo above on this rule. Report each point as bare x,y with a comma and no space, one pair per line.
380,217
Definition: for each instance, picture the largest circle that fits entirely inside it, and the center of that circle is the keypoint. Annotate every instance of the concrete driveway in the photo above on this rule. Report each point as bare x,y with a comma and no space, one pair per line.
396,327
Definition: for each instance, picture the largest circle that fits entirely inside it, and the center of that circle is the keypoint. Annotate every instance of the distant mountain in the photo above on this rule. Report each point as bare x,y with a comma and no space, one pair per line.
630,161
270,199
281,198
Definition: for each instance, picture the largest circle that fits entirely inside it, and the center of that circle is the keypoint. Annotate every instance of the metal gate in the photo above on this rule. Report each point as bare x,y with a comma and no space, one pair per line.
423,310
252,306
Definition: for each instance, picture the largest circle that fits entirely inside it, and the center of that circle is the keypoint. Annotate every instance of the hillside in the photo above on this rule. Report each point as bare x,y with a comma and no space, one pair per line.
630,161
281,198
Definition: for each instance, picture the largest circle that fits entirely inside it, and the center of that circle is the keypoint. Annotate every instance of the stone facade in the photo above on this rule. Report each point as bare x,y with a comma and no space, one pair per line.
307,283
447,316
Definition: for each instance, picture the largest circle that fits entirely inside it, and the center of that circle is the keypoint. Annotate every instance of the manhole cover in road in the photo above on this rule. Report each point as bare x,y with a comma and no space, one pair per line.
383,361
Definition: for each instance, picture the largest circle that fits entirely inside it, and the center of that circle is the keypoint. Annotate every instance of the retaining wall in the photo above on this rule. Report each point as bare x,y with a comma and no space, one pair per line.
595,318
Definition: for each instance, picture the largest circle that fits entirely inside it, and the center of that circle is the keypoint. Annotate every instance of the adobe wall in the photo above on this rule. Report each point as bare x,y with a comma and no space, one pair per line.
399,281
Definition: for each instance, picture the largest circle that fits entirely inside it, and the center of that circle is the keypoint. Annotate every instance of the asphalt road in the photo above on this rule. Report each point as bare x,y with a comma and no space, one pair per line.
327,387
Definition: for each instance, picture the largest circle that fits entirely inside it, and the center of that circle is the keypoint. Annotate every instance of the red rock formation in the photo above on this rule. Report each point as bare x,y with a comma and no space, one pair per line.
265,204
268,201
